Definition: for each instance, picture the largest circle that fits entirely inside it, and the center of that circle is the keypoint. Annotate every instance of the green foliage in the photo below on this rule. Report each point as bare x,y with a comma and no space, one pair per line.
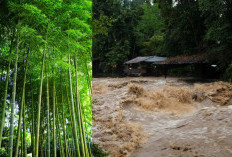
228,73
184,27
217,14
100,25
58,29
153,46
162,27
115,30
98,152
149,31
3,152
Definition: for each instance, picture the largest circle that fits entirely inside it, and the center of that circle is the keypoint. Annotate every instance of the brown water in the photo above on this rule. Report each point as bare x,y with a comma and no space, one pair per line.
127,128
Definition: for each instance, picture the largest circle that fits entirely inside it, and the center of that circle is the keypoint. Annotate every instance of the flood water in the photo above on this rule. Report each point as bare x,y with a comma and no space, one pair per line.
172,117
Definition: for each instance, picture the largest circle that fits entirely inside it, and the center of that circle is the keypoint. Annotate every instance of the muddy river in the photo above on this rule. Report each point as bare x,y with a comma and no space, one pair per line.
157,117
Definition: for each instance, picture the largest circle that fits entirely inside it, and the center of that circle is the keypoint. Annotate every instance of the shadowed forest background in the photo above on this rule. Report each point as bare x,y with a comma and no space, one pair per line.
124,29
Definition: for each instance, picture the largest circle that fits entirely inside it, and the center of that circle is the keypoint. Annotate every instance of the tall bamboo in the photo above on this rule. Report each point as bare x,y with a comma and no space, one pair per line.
64,127
80,119
63,118
90,97
45,148
24,133
33,123
2,122
10,154
73,113
59,136
21,107
48,117
21,142
42,129
54,118
71,125
69,146
4,104
41,140
39,109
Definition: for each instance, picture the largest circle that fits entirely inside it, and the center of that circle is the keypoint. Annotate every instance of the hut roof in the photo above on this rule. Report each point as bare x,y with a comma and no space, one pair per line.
137,60
155,59
193,59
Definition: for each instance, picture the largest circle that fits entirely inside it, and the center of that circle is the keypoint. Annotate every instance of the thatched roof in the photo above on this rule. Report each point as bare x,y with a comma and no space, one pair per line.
193,59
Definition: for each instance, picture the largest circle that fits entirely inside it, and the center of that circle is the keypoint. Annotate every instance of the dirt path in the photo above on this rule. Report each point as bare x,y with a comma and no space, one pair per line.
133,129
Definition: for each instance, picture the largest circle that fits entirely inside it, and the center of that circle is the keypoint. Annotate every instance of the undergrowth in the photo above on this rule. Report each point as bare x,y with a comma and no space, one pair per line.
98,152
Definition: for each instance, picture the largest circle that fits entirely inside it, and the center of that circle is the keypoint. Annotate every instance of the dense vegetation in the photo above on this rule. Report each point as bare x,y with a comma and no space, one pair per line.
124,29
45,78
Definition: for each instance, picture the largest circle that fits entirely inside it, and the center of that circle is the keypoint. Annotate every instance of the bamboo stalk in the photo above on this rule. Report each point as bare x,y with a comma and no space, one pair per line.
73,113
24,133
39,108
42,129
48,117
13,101
63,117
21,106
33,124
59,136
80,119
69,110
54,118
5,94
64,125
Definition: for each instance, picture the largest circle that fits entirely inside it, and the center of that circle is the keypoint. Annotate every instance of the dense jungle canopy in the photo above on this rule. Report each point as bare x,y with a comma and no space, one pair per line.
45,78
124,29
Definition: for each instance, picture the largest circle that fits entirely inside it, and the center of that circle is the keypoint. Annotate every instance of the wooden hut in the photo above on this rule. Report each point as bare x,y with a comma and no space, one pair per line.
141,65
199,63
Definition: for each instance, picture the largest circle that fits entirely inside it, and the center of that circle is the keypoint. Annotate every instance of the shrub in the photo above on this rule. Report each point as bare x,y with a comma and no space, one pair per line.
228,73
98,152
3,152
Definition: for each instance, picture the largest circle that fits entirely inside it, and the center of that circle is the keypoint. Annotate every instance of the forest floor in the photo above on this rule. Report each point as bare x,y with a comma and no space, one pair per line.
157,117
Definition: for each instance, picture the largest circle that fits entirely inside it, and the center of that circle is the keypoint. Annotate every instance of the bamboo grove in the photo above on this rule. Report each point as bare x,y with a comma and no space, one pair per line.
45,78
